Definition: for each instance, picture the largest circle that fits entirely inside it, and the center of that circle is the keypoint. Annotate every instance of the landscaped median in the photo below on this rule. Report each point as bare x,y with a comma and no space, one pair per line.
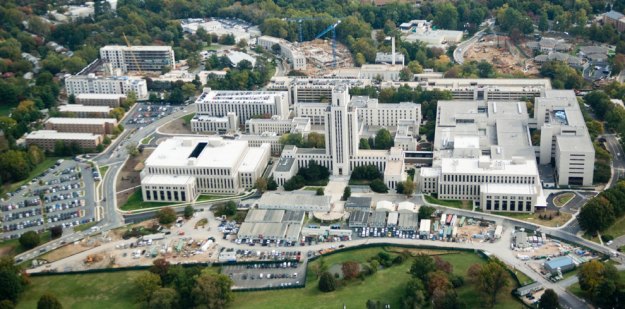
136,204
562,199
433,199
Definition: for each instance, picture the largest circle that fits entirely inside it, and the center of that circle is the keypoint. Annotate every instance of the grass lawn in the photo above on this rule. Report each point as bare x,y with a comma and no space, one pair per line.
203,198
15,246
93,291
147,140
354,182
617,229
5,110
47,163
534,218
103,170
135,201
570,274
433,199
187,118
562,199
577,290
589,237
83,227
312,188
211,47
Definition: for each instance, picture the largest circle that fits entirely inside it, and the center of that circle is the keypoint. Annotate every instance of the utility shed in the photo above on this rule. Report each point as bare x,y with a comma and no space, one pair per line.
378,219
565,263
292,233
358,219
294,216
226,256
524,290
392,219
520,239
358,203
264,215
408,222
424,228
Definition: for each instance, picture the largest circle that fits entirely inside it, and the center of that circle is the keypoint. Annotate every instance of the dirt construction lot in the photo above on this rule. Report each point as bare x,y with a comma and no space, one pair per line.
179,126
500,59
129,176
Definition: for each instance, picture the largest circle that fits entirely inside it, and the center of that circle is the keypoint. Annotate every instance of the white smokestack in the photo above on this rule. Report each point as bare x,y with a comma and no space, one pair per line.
393,43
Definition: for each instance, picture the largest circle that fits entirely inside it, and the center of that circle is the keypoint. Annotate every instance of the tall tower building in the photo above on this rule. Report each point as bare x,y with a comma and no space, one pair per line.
341,127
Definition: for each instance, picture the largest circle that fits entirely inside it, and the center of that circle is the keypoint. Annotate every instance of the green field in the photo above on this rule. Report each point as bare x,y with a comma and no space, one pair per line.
103,170
16,247
93,291
211,47
83,227
203,198
147,140
187,118
47,163
617,229
135,201
433,199
6,110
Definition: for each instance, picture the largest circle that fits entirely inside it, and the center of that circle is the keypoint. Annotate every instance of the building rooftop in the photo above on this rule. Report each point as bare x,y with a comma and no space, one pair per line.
236,57
559,262
430,172
407,206
294,230
138,48
361,217
81,120
392,218
294,216
354,201
84,108
54,135
284,165
500,188
408,220
394,167
169,180
251,161
614,15
267,230
385,206
388,57
492,167
378,218
98,96
241,97
264,215
575,143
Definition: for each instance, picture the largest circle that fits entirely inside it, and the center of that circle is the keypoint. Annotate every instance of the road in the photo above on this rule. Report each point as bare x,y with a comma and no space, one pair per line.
462,47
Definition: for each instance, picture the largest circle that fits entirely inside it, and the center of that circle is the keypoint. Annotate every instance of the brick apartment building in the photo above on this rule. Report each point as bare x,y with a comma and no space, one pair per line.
82,125
83,111
92,99
46,139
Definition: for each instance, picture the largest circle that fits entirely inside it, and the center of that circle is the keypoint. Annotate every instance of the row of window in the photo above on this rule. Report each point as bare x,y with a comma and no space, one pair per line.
489,179
189,171
495,205
165,195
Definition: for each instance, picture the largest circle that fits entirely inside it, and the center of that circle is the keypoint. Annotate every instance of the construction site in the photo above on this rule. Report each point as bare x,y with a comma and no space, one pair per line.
502,54
320,58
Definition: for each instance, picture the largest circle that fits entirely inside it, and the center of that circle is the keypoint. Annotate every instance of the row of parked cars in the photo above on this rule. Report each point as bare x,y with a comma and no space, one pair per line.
61,197
64,206
21,204
64,216
22,225
58,188
21,214
16,236
61,179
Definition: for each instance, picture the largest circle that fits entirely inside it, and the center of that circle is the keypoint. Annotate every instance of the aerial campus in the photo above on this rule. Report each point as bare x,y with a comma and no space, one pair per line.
411,154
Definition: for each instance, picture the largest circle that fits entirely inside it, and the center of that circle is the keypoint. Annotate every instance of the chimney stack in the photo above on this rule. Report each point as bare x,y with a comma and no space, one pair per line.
393,43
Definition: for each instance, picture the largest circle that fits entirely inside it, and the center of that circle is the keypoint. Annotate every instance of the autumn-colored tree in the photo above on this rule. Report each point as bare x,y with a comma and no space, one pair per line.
443,265
351,269
438,280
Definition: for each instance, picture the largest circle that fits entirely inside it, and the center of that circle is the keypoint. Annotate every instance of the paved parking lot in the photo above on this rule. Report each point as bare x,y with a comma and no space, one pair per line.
295,276
144,114
65,199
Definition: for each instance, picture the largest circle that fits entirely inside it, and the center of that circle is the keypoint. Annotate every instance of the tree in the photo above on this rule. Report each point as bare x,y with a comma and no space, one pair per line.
493,280
400,187
188,211
421,266
320,191
543,23
165,298
106,140
485,69
350,269
132,150
549,300
405,74
56,231
438,280
260,184
596,215
188,89
29,240
409,187
443,265
383,140
590,275
6,304
145,285
347,193
161,267
378,186
166,215
272,185
49,301
213,290
327,283
426,211
364,144
231,208
12,285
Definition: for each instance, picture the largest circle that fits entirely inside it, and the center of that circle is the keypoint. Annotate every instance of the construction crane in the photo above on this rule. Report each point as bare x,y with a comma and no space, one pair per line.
133,54
299,21
333,28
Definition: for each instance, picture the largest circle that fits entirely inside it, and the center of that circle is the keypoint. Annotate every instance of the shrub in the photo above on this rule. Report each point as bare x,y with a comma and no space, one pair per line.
327,283
378,186
166,215
29,240
607,238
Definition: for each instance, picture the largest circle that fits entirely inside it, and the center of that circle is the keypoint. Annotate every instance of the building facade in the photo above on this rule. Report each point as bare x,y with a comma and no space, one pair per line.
46,139
79,84
83,111
244,104
110,100
100,126
287,49
138,58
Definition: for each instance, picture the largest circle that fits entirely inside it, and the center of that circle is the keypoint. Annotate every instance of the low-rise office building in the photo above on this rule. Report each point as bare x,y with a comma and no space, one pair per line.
294,217
91,99
221,125
256,231
264,215
46,139
83,111
392,219
79,84
216,165
285,170
100,126
278,125
378,219
169,188
244,104
358,203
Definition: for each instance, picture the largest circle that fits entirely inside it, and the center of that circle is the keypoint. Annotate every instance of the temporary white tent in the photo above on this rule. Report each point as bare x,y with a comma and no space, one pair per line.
384,206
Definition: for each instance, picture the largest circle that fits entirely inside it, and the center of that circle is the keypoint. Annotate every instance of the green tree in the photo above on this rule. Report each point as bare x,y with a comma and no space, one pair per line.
543,23
347,192
327,283
166,215
56,231
213,290
145,285
11,287
49,301
364,144
422,265
485,69
165,298
409,187
132,150
320,191
231,208
188,211
106,140
383,140
29,240
426,211
494,280
405,74
549,300
188,89
596,215
272,185
6,304
378,186
260,184
590,275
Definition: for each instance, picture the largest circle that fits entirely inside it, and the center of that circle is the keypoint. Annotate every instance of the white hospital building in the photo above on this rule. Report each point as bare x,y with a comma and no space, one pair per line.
181,168
79,84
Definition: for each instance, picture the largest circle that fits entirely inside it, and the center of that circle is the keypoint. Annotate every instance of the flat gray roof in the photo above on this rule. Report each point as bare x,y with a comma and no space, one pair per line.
359,217
285,164
358,202
378,218
408,220
294,230
264,215
289,200
265,229
294,216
